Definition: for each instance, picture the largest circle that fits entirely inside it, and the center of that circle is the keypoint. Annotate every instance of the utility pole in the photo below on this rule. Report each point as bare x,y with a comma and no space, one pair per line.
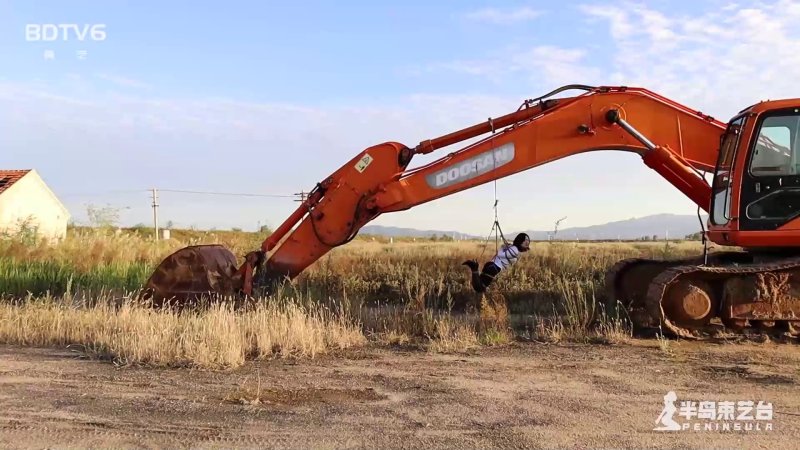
155,212
301,196
551,237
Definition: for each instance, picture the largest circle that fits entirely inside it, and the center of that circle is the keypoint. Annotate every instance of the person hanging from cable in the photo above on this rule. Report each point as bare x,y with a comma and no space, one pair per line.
506,256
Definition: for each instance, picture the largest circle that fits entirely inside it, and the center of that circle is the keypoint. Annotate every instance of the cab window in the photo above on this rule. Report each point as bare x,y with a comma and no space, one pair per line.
721,186
775,152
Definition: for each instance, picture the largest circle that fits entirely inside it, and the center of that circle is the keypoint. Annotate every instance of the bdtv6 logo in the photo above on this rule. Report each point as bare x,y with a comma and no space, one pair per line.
49,32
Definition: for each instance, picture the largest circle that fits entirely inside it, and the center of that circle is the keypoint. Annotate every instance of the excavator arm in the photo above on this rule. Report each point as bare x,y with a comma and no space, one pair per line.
677,142
683,296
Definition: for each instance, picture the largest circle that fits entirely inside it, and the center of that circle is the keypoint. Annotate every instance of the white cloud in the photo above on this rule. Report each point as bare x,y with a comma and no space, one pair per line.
620,26
718,60
551,66
99,141
485,68
544,66
503,17
124,82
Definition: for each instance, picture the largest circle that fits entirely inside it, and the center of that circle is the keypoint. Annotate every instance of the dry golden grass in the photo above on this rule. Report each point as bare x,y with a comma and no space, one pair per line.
214,338
415,324
583,319
611,330
407,293
452,336
90,261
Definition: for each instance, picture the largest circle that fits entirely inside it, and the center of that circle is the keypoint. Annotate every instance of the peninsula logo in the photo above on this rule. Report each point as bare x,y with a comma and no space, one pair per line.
742,415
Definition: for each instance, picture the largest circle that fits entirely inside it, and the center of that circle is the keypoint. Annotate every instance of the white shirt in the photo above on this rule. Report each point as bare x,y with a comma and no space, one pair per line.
506,256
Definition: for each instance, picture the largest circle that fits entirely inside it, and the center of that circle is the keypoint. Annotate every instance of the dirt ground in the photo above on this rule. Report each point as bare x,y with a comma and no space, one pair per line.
528,395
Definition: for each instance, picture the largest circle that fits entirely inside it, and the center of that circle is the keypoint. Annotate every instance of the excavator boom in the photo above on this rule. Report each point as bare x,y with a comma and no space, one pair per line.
754,204
674,140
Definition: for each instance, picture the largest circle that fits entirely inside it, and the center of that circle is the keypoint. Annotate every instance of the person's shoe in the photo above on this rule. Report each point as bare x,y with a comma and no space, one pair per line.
472,264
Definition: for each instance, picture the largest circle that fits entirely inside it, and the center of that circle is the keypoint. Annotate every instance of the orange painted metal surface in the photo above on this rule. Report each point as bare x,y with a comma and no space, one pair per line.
672,139
536,134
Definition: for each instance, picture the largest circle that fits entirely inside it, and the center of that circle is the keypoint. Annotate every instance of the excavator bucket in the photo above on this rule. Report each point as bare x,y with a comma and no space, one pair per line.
191,274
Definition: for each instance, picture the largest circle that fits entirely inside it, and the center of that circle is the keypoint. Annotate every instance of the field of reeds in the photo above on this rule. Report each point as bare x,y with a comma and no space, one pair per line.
80,293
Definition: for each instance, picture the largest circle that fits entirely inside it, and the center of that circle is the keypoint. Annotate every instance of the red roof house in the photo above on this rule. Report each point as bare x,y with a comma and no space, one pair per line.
26,202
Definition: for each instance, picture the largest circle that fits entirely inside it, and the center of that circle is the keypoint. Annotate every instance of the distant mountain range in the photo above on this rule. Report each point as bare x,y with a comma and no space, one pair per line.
379,230
659,225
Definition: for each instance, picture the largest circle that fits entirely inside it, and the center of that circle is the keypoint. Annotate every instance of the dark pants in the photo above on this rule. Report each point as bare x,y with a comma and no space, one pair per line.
482,280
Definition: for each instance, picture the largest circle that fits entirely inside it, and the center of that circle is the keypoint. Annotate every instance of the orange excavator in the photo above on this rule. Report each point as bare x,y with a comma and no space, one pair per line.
753,202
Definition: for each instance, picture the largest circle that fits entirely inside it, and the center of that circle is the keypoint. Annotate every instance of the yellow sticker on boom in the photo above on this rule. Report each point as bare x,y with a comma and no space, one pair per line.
362,164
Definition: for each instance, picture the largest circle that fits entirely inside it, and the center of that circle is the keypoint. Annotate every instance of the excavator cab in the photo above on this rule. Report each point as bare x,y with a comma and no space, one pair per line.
756,185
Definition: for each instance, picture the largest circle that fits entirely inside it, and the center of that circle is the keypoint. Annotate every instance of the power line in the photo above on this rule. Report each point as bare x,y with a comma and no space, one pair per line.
94,194
180,191
236,194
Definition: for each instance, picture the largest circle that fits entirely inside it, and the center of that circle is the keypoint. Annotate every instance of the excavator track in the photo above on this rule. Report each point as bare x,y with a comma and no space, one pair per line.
735,291
621,283
763,296
628,281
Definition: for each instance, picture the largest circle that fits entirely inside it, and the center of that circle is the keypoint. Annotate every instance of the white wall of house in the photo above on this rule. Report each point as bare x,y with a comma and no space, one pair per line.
30,198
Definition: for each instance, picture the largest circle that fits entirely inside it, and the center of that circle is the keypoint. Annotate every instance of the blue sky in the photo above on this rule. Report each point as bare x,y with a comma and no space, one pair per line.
270,97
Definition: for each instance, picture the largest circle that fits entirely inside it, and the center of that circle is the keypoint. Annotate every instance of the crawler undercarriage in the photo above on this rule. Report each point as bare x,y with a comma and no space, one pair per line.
691,297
